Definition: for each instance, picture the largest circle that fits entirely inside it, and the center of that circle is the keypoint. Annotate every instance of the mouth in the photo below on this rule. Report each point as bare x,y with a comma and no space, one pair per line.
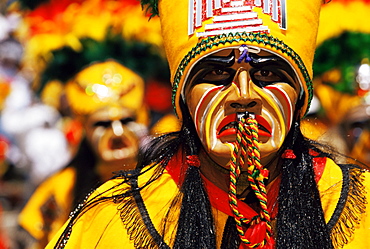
117,143
116,148
228,126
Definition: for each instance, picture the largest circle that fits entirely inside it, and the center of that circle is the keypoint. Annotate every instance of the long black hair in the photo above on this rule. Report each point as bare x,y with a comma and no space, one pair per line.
300,220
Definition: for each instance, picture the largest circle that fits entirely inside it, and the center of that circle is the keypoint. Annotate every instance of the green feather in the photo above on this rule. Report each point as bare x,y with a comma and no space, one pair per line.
142,58
345,53
150,6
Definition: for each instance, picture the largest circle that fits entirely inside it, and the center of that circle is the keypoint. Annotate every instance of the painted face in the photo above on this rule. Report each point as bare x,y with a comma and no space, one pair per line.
112,112
356,132
115,139
218,87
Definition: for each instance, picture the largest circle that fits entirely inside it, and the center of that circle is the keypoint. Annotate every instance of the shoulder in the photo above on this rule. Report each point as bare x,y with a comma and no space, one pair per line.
48,191
96,222
344,191
116,214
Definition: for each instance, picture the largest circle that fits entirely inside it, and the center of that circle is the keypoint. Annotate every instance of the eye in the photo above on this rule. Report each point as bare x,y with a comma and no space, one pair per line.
104,124
127,120
266,76
216,75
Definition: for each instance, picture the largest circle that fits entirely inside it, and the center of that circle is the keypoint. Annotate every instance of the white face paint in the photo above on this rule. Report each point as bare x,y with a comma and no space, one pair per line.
219,86
115,139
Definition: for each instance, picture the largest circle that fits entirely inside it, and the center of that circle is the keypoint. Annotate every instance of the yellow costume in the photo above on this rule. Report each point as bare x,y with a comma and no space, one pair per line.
121,223
49,193
184,191
100,86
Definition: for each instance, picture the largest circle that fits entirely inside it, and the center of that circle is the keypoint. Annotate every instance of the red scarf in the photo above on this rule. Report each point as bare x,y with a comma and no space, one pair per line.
219,199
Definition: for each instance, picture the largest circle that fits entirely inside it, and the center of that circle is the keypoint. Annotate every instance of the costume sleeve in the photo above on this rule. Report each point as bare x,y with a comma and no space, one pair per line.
100,226
345,193
50,190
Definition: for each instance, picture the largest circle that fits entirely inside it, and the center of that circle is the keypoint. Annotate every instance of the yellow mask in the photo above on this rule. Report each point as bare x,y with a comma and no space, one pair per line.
106,85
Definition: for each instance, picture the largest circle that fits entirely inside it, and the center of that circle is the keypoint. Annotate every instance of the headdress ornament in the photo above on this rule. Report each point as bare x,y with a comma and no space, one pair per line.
284,27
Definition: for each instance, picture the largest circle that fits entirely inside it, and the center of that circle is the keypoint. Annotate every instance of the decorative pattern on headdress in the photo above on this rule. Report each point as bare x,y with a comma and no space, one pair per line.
258,38
234,16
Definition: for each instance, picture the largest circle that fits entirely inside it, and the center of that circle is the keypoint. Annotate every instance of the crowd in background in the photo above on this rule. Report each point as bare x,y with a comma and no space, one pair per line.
38,135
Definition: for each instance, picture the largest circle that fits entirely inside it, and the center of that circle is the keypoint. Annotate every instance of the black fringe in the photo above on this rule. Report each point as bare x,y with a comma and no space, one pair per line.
300,221
136,220
352,205
196,226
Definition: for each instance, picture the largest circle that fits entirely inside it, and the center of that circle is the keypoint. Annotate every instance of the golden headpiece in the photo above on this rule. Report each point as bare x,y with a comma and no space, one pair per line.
195,28
63,38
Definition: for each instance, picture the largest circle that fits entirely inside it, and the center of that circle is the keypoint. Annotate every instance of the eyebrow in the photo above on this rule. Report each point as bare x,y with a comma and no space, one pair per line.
260,61
227,60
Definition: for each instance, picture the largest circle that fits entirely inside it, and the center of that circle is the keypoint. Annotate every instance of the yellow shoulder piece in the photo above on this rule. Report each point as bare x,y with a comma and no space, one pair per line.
344,199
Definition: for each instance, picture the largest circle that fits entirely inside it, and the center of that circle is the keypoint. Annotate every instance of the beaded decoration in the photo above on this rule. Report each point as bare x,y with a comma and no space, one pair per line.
246,150
256,38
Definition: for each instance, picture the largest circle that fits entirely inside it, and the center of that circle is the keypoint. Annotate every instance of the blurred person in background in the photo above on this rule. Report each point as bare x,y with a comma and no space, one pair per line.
342,78
239,173
22,116
96,78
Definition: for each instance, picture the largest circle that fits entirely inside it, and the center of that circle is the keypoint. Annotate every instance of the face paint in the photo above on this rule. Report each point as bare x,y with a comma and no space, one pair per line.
113,112
114,139
225,83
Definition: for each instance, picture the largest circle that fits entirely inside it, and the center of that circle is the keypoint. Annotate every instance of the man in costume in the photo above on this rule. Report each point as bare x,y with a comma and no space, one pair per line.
239,173
341,79
103,101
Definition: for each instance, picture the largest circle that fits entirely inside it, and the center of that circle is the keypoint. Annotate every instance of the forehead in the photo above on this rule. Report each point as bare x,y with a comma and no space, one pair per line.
226,52
252,50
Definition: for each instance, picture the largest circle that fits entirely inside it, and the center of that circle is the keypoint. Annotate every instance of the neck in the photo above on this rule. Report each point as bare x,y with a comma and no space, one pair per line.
219,175
106,169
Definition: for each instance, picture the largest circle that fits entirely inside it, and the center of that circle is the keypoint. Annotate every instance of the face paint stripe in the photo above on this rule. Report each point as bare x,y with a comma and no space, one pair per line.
287,99
273,126
206,119
272,95
272,103
205,95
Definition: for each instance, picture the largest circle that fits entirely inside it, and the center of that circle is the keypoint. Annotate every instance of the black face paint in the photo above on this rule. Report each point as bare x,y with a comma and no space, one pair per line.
214,70
108,123
268,70
221,70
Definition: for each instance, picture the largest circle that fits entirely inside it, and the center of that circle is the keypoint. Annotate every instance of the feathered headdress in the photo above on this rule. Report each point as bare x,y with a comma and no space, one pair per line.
342,49
63,37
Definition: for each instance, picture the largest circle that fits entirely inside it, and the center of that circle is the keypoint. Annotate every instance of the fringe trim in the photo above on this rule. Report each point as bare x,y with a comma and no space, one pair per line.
354,207
133,222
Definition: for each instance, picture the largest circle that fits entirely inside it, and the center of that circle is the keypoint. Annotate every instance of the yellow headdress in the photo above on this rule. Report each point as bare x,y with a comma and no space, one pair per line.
106,85
66,36
342,46
195,28
343,15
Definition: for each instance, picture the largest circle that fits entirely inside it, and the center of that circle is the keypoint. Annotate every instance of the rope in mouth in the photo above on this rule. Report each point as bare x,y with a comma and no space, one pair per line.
246,152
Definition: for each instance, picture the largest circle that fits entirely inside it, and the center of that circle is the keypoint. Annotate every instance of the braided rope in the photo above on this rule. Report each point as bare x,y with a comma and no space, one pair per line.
246,150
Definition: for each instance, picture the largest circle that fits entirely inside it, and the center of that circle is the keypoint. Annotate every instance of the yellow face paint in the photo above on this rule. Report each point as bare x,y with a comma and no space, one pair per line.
109,98
216,93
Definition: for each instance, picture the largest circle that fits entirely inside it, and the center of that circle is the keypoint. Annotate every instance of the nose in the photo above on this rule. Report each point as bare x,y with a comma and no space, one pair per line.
117,128
247,99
